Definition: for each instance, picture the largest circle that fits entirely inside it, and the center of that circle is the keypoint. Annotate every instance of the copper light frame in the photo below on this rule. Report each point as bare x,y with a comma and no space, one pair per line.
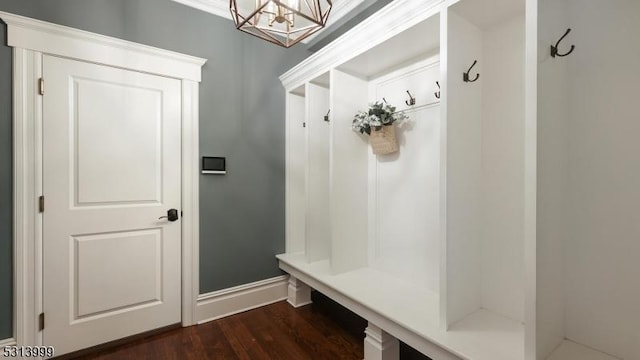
310,10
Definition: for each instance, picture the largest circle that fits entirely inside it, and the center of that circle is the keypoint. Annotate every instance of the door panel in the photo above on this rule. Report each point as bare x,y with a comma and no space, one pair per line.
122,136
100,288
111,151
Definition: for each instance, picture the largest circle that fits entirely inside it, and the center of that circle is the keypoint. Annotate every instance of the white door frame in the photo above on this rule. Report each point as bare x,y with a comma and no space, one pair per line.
31,39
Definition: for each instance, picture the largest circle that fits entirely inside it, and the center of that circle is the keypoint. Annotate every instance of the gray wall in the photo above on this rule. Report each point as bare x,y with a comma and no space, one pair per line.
241,117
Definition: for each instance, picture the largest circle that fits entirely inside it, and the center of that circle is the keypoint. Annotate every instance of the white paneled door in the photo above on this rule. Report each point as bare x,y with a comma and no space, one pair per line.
111,159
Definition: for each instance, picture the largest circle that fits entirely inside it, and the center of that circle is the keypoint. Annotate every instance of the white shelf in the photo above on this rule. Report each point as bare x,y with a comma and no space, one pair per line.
410,313
375,290
487,335
569,350
397,51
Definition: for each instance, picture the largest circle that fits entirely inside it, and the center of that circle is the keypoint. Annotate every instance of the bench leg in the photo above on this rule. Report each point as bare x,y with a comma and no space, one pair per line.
379,345
298,293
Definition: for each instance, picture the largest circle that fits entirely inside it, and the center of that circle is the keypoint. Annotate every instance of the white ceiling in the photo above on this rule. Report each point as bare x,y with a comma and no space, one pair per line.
221,8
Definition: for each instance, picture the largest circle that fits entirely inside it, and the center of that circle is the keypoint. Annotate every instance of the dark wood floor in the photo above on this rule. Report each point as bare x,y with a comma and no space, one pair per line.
322,330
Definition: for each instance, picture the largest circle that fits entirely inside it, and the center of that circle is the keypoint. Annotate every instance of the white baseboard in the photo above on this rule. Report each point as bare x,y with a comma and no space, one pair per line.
221,303
7,342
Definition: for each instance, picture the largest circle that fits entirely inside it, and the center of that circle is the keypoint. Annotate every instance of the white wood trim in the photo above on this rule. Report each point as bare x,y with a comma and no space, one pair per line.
31,34
394,18
444,55
288,176
226,302
21,191
27,150
221,8
190,201
27,66
7,342
530,178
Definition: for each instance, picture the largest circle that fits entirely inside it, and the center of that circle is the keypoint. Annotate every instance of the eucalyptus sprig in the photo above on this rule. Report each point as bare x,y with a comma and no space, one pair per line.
377,116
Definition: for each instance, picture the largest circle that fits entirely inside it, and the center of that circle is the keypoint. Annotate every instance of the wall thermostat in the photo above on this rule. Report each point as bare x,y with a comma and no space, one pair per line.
214,165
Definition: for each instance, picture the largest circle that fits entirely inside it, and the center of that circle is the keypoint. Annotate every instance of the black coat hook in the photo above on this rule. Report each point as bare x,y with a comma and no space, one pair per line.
411,101
326,117
554,49
385,101
465,76
437,93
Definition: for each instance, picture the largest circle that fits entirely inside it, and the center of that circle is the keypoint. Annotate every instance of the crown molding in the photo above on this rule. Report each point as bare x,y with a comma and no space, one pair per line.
54,39
388,22
220,8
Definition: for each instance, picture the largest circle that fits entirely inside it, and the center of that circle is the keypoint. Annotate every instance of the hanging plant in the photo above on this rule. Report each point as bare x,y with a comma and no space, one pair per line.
376,117
377,122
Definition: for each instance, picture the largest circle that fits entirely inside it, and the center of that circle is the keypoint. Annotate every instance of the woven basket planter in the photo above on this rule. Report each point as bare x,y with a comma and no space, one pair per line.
384,141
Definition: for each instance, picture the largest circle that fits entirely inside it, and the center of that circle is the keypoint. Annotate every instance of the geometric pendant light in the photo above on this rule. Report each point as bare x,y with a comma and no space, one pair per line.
282,22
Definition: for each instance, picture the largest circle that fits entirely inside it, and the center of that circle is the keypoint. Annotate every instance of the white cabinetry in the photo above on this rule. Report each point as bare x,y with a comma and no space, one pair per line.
318,223
485,164
505,227
588,239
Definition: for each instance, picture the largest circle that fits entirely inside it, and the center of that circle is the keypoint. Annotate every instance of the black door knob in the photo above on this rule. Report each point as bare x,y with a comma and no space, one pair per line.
172,215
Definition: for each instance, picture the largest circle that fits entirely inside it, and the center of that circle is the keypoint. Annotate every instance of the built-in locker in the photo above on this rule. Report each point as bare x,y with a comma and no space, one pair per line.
318,223
588,175
505,227
485,117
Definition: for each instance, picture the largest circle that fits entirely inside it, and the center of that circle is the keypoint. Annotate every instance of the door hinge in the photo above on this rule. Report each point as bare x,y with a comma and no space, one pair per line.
41,204
41,86
41,321
304,124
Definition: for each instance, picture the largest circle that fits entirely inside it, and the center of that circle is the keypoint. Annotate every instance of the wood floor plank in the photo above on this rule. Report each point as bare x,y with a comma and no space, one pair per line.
240,336
304,335
307,336
349,335
277,331
275,338
213,342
